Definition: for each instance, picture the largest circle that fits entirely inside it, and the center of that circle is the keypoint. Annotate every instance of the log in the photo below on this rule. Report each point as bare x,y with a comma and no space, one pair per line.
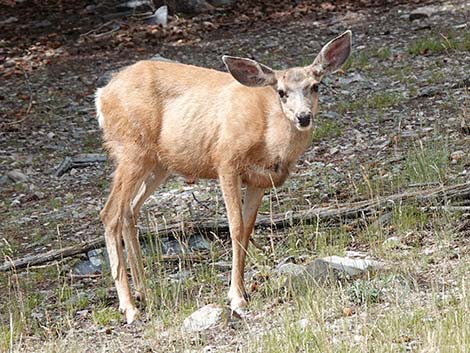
278,221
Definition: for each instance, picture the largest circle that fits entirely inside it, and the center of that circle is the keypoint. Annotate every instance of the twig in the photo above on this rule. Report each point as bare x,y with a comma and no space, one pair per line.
279,221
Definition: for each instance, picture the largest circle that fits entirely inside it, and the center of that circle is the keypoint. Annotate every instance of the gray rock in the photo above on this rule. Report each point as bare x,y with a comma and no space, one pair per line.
98,257
422,12
205,318
4,180
160,17
17,176
392,242
158,57
350,266
86,268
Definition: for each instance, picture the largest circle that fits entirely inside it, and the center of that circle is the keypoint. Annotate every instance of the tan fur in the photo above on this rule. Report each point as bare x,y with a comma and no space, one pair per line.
161,118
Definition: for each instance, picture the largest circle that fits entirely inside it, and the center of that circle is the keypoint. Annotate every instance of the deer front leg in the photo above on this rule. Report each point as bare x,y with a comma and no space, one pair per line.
253,197
231,190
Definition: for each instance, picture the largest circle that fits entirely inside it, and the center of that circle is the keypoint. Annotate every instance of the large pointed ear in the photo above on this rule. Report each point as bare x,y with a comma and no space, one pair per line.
333,55
249,72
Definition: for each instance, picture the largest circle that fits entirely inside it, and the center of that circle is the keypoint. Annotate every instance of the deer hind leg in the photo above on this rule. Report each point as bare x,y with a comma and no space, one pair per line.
134,255
119,221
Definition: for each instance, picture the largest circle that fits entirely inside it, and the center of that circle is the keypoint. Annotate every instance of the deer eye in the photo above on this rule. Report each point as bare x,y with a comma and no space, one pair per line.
281,93
314,88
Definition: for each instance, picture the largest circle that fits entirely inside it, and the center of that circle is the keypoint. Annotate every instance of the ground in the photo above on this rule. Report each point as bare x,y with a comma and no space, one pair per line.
393,120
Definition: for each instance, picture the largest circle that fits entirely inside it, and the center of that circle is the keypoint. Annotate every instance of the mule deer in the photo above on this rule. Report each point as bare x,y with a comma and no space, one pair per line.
248,126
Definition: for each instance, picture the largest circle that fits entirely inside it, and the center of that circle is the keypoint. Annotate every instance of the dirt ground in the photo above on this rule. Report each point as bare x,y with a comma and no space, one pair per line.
403,93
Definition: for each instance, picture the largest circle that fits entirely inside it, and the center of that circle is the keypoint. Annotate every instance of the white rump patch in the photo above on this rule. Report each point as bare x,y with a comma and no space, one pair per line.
99,115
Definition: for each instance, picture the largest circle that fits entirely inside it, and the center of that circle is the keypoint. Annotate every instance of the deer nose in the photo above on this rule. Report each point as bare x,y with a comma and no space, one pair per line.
304,119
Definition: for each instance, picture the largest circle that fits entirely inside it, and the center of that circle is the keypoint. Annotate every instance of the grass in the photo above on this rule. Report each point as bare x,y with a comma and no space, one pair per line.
426,163
440,43
325,130
378,101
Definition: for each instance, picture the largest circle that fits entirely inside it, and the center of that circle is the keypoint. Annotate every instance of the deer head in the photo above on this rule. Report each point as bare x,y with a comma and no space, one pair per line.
297,88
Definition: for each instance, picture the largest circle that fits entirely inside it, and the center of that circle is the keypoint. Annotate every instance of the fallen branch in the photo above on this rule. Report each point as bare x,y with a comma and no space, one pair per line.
279,221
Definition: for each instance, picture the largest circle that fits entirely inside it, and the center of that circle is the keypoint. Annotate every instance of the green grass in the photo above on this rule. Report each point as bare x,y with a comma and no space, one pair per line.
440,43
378,101
426,163
103,316
325,130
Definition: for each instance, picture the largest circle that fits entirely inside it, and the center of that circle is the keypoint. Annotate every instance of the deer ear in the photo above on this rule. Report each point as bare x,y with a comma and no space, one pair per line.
249,72
333,55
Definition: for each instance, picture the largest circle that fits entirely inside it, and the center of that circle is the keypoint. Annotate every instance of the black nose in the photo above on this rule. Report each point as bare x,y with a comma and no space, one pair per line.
304,119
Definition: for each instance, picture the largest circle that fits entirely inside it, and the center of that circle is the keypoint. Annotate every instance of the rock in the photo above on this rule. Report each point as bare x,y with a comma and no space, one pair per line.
8,21
160,17
197,243
422,12
98,257
4,180
457,155
205,318
158,57
392,242
350,266
17,176
86,268
303,324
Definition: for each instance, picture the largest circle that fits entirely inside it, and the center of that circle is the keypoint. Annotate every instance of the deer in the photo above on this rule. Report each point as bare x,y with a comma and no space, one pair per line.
245,127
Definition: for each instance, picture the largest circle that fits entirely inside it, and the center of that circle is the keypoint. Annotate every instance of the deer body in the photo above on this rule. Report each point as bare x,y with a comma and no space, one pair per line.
237,126
161,118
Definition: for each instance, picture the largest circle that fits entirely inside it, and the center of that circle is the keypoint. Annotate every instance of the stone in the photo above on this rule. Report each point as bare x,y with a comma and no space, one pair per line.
4,180
351,267
158,57
392,242
205,318
457,155
17,176
160,17
86,268
422,12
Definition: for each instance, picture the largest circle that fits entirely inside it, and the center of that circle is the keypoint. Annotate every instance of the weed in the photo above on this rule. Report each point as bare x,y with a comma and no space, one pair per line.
103,316
364,292
426,163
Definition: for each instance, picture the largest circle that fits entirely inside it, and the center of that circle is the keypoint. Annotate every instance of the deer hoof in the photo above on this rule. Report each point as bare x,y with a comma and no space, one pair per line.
132,314
238,304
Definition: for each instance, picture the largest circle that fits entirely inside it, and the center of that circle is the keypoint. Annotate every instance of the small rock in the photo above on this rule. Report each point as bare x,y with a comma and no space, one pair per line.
205,318
290,269
86,268
392,242
303,324
160,17
8,21
82,312
17,176
457,155
351,267
422,12
4,179
158,57
97,257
